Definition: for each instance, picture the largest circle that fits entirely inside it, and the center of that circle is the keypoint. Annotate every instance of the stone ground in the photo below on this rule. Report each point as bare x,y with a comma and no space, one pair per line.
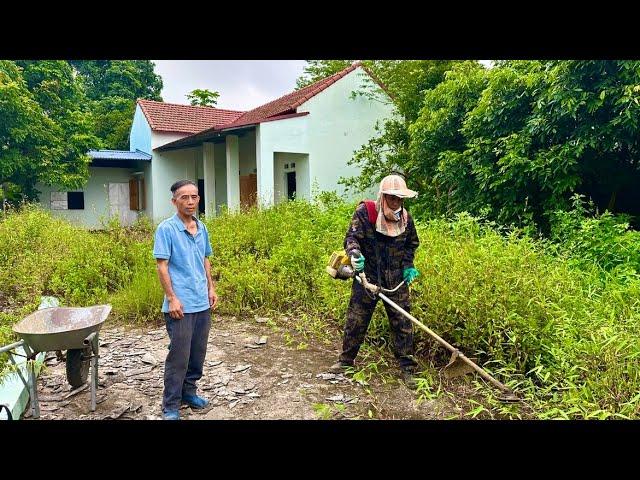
252,371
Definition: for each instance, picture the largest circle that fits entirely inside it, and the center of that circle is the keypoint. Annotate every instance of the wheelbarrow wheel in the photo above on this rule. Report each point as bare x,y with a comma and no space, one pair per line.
77,366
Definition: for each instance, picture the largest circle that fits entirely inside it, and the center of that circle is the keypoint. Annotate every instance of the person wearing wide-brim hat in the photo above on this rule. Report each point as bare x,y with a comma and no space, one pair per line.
382,243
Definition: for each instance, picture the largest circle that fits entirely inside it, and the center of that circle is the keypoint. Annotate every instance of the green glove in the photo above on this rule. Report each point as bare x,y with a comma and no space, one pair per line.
357,261
410,274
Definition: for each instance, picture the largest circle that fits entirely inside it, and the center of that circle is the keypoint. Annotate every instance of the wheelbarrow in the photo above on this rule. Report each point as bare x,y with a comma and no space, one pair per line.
74,329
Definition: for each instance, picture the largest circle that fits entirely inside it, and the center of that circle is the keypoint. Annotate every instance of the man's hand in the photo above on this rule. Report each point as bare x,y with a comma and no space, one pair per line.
175,308
213,297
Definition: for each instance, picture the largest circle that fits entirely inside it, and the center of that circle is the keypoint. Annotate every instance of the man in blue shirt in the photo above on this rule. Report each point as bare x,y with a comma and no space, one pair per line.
181,250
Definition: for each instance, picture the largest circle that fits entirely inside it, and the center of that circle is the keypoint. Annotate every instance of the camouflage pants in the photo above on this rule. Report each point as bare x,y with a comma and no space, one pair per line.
359,314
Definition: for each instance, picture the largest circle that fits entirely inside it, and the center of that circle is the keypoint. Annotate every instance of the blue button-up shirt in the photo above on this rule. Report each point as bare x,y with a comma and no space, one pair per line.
186,254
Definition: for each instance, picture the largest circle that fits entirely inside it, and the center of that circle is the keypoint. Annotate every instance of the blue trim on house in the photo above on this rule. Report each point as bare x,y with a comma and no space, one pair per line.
119,155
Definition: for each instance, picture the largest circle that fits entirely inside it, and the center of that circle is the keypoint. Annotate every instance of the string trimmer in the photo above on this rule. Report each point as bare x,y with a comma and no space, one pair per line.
339,267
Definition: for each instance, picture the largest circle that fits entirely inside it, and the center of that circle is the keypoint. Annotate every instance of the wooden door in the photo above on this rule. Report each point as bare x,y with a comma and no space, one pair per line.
248,191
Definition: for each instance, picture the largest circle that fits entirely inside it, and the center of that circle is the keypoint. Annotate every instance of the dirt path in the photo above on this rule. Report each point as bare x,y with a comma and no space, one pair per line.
250,372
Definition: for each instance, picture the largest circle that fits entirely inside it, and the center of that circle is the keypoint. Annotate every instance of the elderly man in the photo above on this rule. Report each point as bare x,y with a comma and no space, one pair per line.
384,248
181,250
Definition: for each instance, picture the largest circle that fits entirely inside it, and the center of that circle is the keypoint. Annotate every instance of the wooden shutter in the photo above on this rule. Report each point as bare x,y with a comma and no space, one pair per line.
133,194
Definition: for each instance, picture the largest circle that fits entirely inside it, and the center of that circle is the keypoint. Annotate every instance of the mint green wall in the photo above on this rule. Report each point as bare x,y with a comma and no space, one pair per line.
336,126
340,126
233,171
96,196
169,167
284,136
148,188
301,169
160,138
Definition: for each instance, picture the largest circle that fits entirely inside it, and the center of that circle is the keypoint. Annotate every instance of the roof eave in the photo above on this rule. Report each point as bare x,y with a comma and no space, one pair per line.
218,131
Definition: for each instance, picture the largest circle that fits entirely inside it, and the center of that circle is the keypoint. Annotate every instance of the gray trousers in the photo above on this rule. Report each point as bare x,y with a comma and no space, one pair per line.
187,348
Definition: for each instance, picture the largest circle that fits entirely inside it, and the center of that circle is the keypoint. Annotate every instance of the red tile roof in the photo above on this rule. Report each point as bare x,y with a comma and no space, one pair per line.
171,117
289,102
218,119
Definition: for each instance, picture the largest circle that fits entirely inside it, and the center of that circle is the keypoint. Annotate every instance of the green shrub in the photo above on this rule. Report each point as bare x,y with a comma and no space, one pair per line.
560,323
44,255
603,239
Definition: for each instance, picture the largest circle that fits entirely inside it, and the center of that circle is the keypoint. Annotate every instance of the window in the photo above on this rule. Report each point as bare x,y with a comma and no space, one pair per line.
75,200
67,200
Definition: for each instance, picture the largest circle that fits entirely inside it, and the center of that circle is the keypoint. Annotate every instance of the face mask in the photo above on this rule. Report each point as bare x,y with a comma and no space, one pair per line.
396,213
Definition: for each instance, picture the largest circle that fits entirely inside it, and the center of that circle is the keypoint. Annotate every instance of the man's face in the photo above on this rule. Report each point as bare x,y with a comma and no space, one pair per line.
393,202
186,199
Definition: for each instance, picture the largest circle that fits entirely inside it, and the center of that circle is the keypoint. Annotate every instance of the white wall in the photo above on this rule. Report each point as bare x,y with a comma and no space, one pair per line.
96,196
335,128
160,138
168,168
340,126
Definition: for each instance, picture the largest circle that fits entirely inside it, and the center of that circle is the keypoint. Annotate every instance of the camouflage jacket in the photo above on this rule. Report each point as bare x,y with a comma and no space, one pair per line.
394,253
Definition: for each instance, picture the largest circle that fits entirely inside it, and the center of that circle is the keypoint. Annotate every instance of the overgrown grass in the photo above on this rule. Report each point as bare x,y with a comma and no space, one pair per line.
273,260
564,335
590,238
558,326
45,255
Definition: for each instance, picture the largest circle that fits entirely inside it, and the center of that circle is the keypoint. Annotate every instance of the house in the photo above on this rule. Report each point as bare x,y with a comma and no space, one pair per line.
294,146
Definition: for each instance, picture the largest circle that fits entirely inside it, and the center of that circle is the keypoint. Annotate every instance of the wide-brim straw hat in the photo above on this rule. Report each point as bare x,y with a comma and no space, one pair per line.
395,185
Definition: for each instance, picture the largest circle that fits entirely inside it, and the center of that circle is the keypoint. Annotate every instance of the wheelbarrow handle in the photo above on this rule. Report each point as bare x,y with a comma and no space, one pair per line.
8,348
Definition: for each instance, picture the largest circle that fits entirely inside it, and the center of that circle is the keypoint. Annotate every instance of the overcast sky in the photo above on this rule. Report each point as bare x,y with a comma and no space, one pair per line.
243,84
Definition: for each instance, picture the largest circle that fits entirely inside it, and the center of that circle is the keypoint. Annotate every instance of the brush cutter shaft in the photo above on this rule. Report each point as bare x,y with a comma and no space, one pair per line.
442,341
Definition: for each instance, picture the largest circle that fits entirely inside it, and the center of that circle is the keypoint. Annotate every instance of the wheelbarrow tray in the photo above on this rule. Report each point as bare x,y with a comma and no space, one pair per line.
61,328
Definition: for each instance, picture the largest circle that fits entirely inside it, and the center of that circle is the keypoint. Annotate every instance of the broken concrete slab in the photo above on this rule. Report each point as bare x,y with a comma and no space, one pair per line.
138,371
240,368
148,358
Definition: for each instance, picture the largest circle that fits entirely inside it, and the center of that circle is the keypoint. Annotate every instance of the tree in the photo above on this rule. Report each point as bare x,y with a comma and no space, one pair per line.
316,70
203,98
46,130
517,142
436,141
132,79
406,82
113,87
